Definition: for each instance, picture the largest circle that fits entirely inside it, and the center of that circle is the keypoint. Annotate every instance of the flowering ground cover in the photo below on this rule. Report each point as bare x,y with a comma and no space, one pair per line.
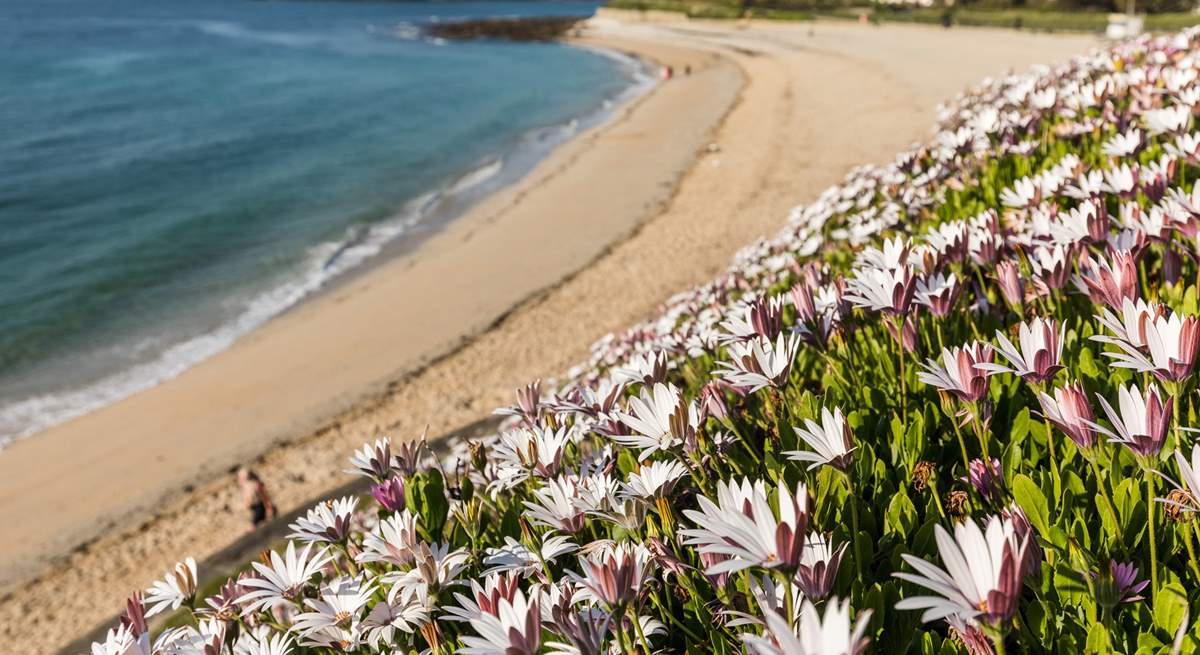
947,410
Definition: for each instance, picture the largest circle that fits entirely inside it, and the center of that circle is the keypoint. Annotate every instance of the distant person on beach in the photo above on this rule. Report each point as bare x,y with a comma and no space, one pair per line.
255,497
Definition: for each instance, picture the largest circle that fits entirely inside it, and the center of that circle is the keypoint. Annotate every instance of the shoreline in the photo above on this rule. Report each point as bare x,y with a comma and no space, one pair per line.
774,147
74,528
401,233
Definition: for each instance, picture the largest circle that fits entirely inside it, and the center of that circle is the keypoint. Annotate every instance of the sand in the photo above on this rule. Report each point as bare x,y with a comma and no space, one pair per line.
592,240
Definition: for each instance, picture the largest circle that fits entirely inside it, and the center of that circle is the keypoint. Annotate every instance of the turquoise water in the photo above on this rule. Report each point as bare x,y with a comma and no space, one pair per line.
174,173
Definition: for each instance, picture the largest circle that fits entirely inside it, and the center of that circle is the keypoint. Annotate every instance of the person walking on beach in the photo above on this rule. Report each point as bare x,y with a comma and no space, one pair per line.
255,497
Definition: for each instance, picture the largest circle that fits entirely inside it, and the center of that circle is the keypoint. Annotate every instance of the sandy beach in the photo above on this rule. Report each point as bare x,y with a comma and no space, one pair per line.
656,199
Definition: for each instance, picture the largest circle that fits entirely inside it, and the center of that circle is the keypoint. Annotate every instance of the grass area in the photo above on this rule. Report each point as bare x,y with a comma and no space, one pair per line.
1051,21
1031,19
691,9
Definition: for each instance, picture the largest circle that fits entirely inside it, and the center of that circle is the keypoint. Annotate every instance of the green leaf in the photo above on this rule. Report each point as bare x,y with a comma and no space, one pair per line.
428,500
1031,499
1098,640
1108,516
901,514
1169,607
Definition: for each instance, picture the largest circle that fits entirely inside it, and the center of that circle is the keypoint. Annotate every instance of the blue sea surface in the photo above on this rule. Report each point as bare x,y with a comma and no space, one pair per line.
173,173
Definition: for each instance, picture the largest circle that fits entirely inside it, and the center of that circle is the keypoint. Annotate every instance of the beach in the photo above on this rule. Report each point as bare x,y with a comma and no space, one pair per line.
658,198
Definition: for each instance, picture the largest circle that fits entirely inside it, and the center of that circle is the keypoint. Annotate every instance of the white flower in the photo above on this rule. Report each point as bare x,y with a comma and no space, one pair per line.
1171,341
555,506
373,461
515,628
831,635
393,541
742,525
177,587
1040,355
661,419
1142,422
340,604
1024,192
653,479
435,565
1123,145
264,644
122,641
830,441
1189,476
284,579
758,363
329,521
983,574
406,613
1130,326
524,452
1168,119
882,290
515,556
483,597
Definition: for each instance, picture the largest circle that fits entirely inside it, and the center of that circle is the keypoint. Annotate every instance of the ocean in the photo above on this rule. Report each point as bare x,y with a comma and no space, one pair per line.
175,173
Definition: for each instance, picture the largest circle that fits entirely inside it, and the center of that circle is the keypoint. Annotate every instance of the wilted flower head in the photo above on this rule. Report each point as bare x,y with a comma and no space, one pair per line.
1188,500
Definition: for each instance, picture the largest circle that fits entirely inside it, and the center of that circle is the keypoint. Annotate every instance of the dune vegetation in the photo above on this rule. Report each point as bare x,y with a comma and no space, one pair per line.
947,409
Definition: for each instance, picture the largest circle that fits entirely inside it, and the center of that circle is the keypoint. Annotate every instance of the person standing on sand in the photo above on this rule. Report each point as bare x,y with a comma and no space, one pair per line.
255,497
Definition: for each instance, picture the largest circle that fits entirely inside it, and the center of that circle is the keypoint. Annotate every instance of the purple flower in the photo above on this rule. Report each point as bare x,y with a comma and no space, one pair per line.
1119,584
390,494
986,478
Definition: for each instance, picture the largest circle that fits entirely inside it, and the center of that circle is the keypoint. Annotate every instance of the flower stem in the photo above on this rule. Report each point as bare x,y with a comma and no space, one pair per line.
1091,458
637,627
903,376
788,604
962,444
858,563
1153,540
1187,539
